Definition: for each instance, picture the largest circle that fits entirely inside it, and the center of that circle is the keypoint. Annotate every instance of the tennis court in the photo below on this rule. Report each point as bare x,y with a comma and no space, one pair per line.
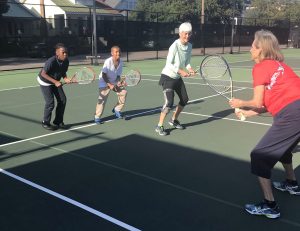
121,175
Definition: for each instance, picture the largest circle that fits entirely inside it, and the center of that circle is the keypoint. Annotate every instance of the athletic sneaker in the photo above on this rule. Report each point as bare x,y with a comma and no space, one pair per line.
47,126
285,186
160,130
118,114
98,121
263,209
60,125
176,124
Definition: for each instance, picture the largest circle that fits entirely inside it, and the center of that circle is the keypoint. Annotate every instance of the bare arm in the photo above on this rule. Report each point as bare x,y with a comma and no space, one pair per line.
255,105
255,102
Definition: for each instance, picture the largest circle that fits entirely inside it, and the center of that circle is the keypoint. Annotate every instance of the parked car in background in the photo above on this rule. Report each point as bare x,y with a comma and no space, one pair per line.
45,49
40,50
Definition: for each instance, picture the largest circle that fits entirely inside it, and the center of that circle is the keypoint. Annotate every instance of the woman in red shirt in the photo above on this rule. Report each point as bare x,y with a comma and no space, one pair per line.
277,90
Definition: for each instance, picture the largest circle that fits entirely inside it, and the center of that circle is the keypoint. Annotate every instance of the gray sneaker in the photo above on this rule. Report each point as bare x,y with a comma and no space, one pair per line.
160,130
284,186
176,124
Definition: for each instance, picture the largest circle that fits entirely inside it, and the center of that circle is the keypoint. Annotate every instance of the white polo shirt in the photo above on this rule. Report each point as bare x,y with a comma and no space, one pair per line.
111,72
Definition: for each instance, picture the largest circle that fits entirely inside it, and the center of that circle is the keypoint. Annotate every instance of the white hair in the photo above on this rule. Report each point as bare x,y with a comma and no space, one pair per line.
185,27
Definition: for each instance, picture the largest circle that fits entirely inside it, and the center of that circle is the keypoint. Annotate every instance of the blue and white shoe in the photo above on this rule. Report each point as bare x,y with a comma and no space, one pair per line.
263,209
98,121
284,186
118,114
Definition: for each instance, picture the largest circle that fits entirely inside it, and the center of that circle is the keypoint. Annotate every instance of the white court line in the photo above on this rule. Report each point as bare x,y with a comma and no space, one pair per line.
46,135
50,134
133,115
157,180
150,80
19,88
217,117
71,201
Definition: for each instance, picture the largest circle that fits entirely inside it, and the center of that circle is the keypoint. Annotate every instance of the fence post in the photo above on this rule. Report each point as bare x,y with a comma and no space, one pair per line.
232,35
95,33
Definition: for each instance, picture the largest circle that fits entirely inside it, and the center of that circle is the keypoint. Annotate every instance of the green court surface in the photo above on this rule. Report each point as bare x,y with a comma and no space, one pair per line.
121,175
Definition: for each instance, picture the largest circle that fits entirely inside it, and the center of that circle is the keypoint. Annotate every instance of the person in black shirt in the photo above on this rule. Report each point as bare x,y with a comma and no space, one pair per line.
49,78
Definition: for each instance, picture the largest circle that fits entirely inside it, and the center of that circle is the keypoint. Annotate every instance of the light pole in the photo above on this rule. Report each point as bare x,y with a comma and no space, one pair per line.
232,27
94,33
202,12
202,27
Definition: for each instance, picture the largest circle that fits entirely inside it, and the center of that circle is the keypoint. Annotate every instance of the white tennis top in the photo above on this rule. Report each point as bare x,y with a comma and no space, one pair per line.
179,57
111,72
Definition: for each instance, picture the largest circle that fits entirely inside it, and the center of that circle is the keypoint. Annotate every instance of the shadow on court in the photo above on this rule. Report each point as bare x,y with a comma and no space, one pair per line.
24,152
7,139
215,116
146,183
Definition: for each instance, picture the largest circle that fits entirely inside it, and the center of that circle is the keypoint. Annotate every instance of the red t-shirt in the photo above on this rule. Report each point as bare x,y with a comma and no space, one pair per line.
282,85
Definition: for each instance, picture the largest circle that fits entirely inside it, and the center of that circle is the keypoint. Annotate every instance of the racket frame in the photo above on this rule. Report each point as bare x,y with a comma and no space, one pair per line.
84,82
242,118
124,77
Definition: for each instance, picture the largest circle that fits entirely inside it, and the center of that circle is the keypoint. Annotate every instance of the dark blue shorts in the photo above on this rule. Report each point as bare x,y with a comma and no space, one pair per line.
279,141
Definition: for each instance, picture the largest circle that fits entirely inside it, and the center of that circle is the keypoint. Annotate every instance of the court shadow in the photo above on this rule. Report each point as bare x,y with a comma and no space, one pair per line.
5,156
215,116
150,184
80,123
141,112
149,111
196,101
7,139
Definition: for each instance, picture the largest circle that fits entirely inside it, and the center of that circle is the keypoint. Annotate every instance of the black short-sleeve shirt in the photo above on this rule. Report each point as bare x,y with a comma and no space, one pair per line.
55,68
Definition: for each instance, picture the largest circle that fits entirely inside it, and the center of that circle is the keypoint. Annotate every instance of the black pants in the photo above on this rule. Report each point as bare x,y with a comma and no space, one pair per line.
279,141
49,92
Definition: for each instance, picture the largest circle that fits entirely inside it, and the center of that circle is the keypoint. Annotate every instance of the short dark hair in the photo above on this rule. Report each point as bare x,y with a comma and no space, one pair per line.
59,45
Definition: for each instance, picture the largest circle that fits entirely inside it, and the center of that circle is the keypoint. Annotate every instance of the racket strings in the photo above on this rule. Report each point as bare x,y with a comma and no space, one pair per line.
219,85
214,68
85,76
132,78
217,75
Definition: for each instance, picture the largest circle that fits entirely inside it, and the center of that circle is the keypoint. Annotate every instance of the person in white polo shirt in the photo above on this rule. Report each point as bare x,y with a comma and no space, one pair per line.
109,79
177,66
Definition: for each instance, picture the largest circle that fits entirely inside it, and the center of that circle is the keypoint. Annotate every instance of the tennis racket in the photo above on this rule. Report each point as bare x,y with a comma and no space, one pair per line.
132,78
216,74
84,75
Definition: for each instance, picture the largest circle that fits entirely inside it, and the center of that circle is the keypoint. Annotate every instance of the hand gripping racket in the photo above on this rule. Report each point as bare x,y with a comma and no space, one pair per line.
132,78
216,73
84,75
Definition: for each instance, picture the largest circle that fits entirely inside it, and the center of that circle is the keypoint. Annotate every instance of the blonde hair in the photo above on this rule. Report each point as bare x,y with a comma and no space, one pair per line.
268,43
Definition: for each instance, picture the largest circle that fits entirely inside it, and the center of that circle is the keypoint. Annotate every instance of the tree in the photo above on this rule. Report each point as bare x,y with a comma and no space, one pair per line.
293,11
273,11
219,11
222,11
4,7
164,10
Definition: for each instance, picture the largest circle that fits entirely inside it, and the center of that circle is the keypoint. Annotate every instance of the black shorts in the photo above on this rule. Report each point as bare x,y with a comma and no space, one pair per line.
176,85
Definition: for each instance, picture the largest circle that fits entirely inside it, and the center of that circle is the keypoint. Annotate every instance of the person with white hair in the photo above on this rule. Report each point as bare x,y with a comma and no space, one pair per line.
177,66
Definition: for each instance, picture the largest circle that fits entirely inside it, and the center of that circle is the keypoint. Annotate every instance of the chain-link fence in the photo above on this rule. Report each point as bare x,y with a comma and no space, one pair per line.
72,25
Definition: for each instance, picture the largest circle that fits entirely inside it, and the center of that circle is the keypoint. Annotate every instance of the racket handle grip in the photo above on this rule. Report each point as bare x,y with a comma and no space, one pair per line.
242,118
